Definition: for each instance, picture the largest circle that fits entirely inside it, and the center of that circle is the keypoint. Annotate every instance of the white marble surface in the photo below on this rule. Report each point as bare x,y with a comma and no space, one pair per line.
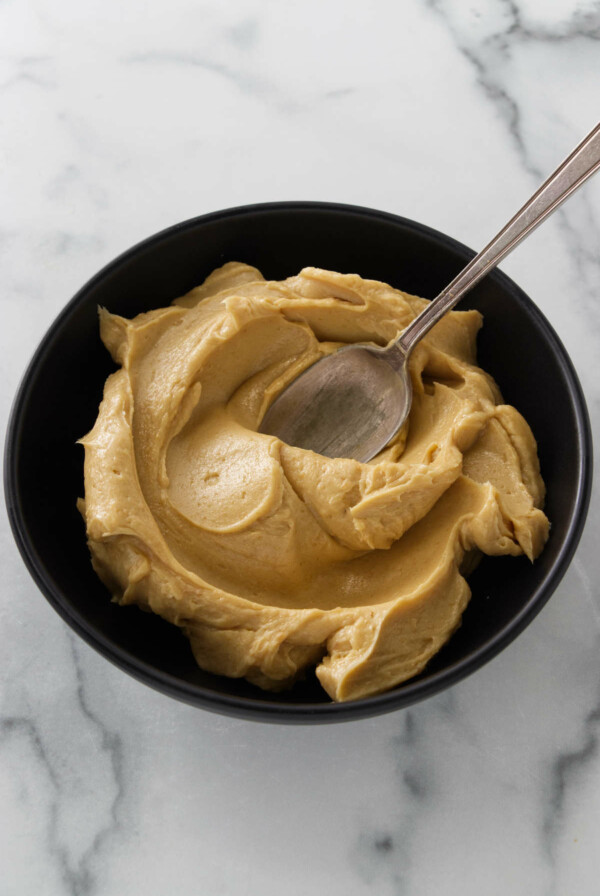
119,119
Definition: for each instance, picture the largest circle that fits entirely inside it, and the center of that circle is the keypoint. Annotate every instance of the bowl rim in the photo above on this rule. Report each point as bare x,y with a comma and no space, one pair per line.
262,709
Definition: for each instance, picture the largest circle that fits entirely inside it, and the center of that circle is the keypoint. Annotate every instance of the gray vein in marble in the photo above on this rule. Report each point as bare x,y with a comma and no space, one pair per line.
586,582
585,25
68,175
27,71
565,767
381,852
77,873
244,35
25,727
61,242
110,743
483,58
581,24
487,58
568,766
22,726
84,135
73,175
245,82
383,844
339,93
24,78
378,855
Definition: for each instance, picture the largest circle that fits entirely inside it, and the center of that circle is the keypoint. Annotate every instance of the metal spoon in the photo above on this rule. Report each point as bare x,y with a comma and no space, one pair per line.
353,402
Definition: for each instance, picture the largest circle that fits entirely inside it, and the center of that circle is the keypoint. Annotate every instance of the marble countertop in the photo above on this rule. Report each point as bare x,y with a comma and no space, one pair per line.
119,119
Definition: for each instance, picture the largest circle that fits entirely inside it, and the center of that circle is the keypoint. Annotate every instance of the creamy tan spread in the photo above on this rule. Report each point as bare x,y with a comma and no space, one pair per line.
274,560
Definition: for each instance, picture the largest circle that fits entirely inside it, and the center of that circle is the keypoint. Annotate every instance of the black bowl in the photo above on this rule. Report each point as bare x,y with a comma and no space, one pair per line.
58,402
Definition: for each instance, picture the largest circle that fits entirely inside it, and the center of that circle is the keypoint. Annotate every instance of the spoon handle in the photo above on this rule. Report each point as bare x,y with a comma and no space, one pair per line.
576,168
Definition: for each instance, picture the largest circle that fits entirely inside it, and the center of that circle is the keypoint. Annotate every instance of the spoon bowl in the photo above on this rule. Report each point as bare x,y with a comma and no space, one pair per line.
346,404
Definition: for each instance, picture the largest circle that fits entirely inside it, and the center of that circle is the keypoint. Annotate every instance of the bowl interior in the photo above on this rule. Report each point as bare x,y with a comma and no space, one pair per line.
59,398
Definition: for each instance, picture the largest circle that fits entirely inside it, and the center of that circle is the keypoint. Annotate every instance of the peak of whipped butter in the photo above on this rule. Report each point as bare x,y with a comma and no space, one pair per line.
274,560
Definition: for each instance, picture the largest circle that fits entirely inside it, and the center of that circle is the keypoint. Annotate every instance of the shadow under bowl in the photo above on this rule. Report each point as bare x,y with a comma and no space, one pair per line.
58,399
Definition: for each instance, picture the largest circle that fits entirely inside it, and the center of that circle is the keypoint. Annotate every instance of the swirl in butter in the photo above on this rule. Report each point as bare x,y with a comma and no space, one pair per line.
274,560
